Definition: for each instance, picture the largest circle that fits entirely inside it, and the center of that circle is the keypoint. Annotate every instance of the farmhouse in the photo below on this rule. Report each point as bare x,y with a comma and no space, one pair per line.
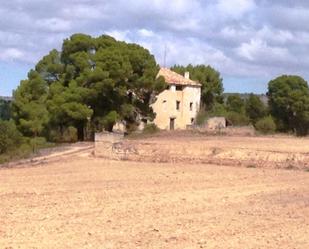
177,106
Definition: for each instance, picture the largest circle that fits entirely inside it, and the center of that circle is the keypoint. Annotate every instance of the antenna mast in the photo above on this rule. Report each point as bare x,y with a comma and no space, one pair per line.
165,54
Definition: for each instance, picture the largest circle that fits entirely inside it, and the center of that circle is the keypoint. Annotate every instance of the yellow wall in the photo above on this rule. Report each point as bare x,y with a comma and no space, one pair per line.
166,110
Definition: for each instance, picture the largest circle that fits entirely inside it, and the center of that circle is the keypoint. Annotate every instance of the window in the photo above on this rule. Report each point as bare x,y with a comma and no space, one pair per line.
192,120
164,105
178,88
191,106
177,105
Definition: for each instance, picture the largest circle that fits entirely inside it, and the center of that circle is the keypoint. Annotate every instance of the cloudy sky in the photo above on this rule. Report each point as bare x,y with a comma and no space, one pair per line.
248,41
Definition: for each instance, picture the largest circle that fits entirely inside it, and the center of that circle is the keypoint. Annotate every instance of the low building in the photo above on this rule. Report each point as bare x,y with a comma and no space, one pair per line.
216,123
177,106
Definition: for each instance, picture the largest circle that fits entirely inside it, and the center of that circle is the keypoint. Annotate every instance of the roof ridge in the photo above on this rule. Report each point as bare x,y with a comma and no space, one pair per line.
172,77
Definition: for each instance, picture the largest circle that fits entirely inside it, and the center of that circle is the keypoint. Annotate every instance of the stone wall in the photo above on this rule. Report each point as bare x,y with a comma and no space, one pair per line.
105,143
116,147
215,123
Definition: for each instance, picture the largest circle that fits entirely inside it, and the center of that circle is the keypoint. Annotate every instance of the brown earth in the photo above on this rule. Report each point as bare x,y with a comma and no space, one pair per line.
79,201
281,152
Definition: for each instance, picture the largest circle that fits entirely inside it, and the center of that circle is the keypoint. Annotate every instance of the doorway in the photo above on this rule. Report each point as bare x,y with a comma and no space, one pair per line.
172,124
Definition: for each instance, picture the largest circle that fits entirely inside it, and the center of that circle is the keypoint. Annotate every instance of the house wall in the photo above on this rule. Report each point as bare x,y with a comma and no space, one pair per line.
165,106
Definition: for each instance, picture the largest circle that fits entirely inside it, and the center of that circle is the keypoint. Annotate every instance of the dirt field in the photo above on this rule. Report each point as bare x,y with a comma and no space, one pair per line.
85,202
280,152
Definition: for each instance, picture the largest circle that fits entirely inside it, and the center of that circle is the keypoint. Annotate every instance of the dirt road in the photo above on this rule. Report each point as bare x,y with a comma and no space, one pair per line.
83,202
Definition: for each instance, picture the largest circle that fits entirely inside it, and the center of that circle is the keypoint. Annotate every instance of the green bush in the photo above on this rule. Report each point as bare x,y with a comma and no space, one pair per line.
237,119
14,146
70,135
235,103
266,125
37,143
109,120
5,110
255,108
150,129
131,128
55,136
218,110
10,137
201,117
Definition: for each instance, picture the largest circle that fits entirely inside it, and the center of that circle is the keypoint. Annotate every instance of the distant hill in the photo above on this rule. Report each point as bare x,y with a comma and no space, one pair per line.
263,97
5,98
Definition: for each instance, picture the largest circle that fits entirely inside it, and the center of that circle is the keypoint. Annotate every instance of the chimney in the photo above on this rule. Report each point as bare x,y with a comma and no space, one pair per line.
187,75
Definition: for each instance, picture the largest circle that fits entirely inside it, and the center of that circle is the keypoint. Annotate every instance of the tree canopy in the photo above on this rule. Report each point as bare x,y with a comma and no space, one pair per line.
98,80
289,103
29,105
10,137
212,86
5,109
255,108
235,103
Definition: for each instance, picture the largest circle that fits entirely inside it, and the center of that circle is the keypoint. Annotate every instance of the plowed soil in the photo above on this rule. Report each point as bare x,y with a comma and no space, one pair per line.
84,202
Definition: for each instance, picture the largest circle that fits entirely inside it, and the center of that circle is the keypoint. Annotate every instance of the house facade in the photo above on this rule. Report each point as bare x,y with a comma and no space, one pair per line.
177,106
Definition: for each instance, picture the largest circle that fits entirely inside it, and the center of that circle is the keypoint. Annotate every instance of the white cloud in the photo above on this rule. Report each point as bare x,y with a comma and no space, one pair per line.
267,34
53,25
256,50
235,8
146,33
238,37
11,54
10,38
83,11
119,35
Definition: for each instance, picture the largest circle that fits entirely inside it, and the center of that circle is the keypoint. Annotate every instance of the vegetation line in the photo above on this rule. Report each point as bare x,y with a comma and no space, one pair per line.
94,82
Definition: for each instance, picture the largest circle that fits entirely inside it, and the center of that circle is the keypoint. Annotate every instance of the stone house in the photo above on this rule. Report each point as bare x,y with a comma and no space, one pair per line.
177,106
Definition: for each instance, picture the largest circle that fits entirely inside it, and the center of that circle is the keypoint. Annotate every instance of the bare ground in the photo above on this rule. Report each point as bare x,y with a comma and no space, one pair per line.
83,202
276,152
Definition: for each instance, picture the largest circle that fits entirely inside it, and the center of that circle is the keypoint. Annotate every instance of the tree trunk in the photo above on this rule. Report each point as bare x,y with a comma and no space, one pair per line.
80,131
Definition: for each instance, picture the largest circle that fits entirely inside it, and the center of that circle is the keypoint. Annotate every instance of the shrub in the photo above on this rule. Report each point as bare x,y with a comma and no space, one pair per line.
237,119
70,135
255,108
235,103
54,136
10,137
266,125
150,129
5,110
109,120
37,143
201,117
218,110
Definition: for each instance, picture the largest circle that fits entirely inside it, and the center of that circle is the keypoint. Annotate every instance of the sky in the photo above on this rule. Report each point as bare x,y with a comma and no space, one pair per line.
249,42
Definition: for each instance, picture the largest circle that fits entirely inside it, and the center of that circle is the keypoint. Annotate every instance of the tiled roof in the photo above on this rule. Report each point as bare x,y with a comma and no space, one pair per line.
175,78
